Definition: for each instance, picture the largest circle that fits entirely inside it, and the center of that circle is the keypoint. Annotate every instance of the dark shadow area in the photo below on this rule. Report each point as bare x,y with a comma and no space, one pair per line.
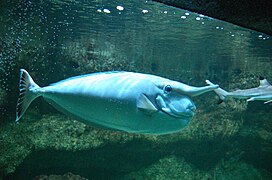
256,152
254,139
203,155
108,162
116,160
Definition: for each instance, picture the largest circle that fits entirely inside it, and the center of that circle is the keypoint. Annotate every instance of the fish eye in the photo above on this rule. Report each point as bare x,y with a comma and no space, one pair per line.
167,88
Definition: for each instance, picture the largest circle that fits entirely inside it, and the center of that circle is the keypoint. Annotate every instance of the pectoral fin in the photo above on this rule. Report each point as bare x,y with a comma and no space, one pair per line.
264,82
251,99
144,104
268,102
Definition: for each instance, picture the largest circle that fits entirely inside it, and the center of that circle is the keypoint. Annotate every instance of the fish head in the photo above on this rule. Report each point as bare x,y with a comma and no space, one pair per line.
174,103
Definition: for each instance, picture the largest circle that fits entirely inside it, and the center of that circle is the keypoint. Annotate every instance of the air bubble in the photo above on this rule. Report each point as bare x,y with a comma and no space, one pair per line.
145,11
197,18
120,8
106,11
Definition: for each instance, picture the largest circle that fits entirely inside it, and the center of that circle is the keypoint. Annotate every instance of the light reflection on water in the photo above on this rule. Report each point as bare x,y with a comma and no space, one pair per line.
176,37
148,34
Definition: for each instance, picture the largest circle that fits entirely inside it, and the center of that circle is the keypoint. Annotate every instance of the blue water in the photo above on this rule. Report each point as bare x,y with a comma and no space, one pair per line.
59,39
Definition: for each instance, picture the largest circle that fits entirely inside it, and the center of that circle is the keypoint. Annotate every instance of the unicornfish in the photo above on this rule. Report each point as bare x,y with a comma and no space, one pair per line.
261,93
126,101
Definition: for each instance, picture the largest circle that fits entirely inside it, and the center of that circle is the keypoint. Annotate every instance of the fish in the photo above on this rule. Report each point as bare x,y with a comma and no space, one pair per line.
119,100
261,93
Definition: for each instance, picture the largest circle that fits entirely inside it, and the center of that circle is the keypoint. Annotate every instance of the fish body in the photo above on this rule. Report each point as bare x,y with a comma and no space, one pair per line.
127,101
261,93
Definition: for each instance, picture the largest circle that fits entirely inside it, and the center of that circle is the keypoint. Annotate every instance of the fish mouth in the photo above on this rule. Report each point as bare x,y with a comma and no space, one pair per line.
187,112
179,115
180,107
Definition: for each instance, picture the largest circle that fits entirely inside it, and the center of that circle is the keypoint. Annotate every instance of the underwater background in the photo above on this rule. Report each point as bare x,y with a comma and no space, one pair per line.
56,39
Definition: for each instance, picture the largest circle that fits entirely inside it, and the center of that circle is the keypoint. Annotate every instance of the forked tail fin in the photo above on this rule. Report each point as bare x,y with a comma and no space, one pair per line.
222,94
28,92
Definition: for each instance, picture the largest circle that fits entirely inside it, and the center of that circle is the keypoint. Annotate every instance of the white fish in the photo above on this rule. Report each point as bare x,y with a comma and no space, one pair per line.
261,93
127,101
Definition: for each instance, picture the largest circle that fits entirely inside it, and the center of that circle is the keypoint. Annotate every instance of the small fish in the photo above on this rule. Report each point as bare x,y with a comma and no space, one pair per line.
126,101
261,93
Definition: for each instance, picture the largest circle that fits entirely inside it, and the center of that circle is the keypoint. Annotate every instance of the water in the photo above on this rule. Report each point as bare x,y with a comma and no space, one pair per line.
59,39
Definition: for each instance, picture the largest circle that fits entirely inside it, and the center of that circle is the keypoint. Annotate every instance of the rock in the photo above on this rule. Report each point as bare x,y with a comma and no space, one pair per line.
66,176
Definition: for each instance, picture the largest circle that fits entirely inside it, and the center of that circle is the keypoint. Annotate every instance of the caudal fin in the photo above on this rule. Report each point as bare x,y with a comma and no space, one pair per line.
222,94
28,93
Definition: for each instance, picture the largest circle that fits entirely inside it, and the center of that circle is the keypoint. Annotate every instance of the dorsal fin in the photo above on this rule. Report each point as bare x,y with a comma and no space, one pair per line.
264,82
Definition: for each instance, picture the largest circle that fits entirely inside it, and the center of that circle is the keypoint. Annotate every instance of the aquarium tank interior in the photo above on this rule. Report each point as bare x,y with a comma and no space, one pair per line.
53,40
